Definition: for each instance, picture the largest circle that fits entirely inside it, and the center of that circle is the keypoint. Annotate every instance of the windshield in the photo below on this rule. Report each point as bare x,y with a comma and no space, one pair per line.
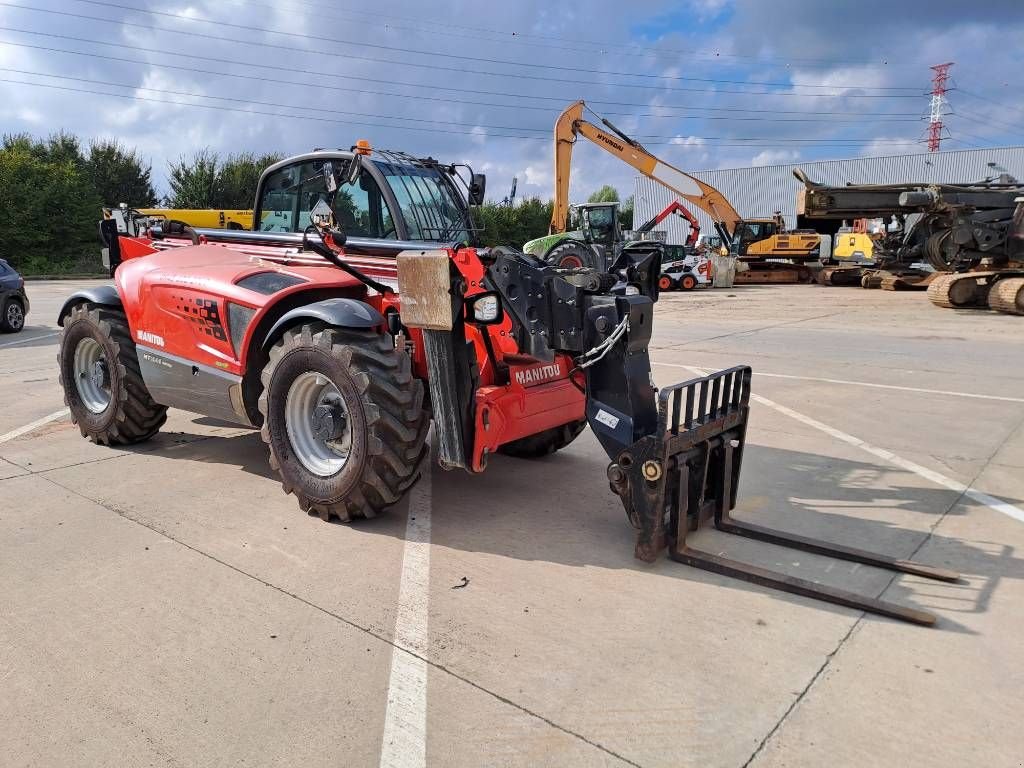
430,206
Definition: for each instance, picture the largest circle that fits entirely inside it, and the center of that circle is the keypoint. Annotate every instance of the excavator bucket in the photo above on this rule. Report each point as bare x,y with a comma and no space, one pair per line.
686,475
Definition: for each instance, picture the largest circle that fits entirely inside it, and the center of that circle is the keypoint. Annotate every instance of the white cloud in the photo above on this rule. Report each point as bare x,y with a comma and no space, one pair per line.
775,157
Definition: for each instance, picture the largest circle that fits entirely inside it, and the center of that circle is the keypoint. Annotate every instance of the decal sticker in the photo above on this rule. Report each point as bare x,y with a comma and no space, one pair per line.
204,313
607,419
538,374
150,338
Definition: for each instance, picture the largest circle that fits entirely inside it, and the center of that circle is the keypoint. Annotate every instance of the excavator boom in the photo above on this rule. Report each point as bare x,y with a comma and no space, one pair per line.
571,124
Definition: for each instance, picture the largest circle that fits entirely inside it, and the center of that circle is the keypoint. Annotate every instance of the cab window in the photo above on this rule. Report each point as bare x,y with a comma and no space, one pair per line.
292,192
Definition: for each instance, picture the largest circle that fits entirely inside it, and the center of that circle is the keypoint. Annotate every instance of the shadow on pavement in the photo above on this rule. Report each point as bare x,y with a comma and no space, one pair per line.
559,510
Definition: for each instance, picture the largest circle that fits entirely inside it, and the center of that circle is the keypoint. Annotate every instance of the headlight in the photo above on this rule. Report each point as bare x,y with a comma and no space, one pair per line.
487,308
632,290
723,251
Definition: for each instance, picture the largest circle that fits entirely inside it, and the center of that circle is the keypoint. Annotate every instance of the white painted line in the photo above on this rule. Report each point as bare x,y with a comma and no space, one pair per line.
404,744
30,338
34,425
762,374
928,474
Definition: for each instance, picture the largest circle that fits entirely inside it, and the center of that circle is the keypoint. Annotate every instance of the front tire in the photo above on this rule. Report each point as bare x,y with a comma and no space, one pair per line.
666,283
102,383
344,420
12,316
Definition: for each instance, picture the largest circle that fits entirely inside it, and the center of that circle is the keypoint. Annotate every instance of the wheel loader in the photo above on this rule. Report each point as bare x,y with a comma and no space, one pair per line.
343,337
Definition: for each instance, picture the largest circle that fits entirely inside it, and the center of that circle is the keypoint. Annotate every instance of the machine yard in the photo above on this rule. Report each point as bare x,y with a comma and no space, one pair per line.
166,604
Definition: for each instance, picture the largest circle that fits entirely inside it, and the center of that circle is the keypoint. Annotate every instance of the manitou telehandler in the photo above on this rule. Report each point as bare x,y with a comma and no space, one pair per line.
343,337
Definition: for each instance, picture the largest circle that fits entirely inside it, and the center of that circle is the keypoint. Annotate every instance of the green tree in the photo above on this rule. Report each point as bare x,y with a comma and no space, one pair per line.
238,176
606,194
626,213
49,206
119,175
513,225
193,181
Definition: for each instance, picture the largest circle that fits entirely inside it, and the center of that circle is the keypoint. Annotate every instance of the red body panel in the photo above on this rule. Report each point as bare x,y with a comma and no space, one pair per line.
175,296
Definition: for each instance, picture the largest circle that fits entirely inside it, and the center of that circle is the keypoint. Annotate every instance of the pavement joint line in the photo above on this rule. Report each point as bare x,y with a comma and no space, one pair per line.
351,623
923,390
863,615
23,430
404,738
30,338
931,475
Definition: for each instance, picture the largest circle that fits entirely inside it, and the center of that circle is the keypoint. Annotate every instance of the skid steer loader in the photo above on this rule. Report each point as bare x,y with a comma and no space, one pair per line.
342,337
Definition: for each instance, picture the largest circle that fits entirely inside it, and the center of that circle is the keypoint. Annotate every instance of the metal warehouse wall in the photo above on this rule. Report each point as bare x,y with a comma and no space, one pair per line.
759,192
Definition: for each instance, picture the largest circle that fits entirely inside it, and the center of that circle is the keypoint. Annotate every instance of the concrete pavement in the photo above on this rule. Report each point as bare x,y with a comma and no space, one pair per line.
168,605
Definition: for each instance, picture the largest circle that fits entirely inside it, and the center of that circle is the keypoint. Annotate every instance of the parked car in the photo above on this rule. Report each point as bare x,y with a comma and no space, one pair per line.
13,301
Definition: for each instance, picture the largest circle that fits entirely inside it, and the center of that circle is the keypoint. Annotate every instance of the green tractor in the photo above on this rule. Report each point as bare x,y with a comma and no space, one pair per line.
595,239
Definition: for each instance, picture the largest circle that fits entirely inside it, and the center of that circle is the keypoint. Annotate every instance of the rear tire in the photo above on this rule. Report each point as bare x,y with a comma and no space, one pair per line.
687,282
12,316
374,456
544,443
108,400
571,255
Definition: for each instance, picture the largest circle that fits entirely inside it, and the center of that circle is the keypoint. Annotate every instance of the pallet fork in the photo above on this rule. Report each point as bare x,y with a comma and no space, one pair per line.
687,473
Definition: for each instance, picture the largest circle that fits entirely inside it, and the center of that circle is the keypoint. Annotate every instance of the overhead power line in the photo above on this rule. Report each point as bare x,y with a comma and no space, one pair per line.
434,98
220,39
644,49
460,57
417,124
701,108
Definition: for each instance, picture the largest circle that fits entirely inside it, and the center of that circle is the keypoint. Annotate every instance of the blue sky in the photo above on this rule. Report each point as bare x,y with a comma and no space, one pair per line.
703,83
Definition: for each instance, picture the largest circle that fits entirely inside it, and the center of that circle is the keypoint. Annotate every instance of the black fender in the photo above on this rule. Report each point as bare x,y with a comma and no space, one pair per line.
104,295
341,312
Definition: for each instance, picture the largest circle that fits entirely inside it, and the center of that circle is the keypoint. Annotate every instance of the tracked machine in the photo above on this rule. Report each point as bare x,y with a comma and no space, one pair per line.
969,236
343,338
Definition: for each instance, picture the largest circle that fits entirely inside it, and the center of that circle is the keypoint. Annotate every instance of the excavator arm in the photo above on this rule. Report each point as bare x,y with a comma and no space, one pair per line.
571,124
674,207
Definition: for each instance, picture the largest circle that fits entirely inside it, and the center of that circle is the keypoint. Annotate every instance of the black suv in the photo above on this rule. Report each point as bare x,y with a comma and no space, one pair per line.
13,301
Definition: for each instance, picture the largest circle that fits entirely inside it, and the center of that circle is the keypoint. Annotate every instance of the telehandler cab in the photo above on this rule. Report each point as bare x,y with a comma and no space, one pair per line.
358,310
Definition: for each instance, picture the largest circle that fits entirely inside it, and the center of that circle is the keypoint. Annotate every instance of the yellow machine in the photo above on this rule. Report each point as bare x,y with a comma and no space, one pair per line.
854,243
752,240
202,218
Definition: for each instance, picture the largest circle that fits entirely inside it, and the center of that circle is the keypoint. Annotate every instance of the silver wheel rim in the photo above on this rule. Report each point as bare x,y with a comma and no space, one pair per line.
92,376
307,398
15,315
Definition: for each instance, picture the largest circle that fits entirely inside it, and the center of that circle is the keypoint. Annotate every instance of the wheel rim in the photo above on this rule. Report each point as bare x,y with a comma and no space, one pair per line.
15,315
318,424
664,283
92,375
689,282
570,262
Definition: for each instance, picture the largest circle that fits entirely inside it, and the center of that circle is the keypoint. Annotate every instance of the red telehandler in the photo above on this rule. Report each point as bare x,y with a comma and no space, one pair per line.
358,310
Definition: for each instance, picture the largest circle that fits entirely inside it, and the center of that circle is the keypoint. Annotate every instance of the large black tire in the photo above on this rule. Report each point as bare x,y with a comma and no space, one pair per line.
570,254
384,411
12,316
131,415
544,443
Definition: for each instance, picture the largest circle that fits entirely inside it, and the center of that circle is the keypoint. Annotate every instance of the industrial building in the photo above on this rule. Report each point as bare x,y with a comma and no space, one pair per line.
758,192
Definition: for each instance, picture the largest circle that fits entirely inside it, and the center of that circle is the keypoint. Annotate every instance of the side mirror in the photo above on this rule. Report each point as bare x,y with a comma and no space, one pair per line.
354,166
477,189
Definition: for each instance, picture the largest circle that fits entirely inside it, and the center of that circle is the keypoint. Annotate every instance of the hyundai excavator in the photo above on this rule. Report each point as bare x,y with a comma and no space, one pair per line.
754,241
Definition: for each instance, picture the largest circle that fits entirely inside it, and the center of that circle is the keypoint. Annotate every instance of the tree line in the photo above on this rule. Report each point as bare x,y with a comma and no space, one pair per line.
52,190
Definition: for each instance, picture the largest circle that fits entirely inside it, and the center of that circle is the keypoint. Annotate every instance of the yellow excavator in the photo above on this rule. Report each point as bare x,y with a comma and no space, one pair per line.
596,238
